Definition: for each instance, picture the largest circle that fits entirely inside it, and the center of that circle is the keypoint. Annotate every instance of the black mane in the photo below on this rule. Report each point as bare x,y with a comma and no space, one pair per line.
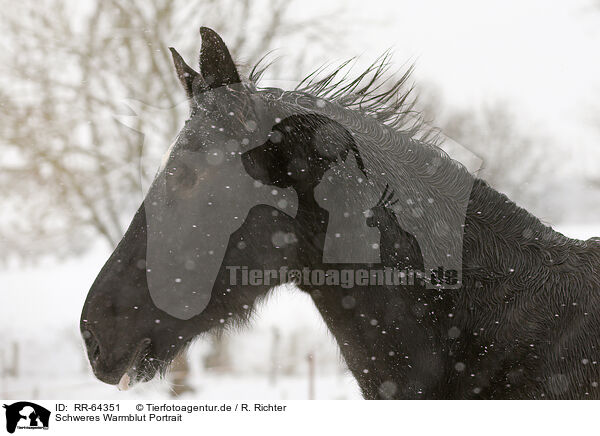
374,93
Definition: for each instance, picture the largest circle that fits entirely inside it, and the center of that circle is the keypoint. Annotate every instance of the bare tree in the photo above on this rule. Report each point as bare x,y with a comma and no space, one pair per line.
70,169
515,161
512,158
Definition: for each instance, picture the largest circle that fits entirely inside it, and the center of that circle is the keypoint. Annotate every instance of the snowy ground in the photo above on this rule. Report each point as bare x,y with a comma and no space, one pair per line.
39,311
210,387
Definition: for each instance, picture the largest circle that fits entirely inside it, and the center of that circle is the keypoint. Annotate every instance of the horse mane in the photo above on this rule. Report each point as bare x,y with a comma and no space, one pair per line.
374,102
374,94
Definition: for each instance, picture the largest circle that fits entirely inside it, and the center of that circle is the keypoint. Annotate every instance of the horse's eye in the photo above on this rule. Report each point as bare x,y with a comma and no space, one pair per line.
183,177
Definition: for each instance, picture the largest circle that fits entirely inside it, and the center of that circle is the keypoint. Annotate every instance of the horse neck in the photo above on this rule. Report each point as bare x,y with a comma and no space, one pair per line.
312,218
399,337
381,339
502,240
398,248
510,256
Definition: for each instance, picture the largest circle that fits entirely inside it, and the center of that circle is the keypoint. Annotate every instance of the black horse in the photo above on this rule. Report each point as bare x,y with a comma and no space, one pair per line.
519,320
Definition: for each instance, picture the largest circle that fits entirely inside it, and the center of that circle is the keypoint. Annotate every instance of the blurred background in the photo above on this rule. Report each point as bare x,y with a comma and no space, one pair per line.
515,82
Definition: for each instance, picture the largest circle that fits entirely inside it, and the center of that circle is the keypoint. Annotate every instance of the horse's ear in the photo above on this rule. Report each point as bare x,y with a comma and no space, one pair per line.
187,76
216,66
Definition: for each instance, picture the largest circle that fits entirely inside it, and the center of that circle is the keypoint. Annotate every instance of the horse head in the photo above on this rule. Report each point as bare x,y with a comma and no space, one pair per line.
155,292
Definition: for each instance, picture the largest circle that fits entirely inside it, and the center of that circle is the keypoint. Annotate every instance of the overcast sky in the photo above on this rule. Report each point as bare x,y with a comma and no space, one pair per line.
540,57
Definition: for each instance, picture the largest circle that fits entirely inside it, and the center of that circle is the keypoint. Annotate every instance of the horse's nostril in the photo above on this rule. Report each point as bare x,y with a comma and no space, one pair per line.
92,345
95,352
